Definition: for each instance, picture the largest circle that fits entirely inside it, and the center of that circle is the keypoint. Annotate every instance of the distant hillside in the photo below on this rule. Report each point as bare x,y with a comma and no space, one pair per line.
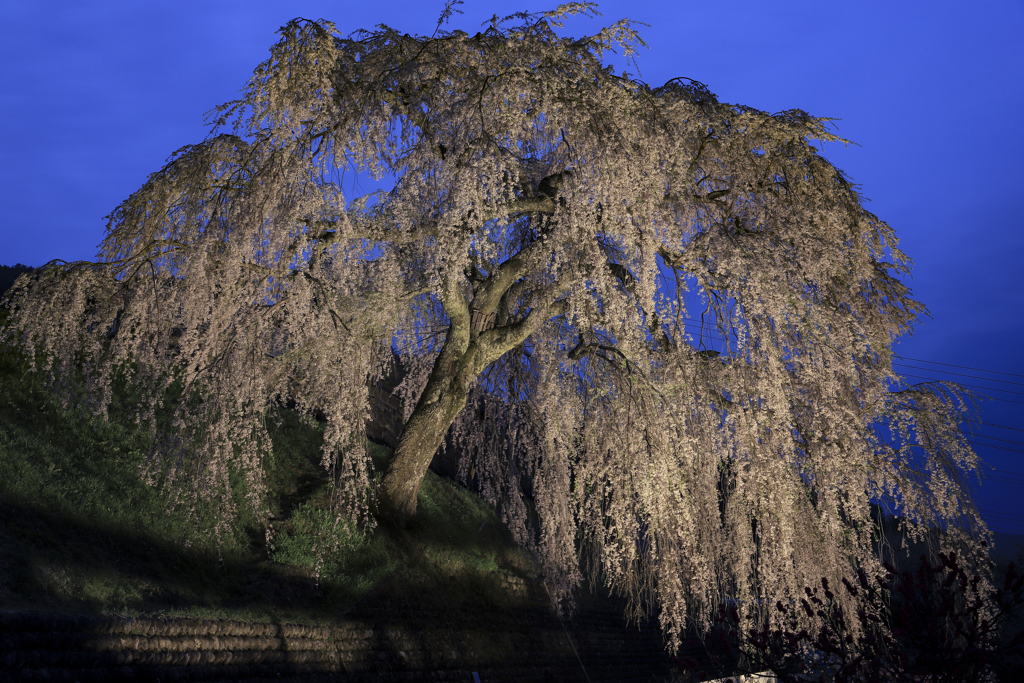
8,274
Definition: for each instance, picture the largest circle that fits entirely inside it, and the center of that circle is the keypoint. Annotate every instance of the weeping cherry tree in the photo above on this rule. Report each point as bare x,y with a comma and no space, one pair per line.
534,264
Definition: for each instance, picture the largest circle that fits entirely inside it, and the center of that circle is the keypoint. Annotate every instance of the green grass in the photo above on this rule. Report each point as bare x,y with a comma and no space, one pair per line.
81,531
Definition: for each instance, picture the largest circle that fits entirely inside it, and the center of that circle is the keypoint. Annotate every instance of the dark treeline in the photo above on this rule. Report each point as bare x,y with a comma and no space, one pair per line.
8,274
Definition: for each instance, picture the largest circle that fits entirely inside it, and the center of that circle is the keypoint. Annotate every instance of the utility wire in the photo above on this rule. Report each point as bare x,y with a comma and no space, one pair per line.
706,329
991,424
993,398
996,438
999,471
1007,515
998,476
998,448
1001,518
1002,480
976,386
710,326
960,374
1011,523
962,367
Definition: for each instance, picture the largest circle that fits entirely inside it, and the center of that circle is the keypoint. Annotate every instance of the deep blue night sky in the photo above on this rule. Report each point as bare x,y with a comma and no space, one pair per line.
95,95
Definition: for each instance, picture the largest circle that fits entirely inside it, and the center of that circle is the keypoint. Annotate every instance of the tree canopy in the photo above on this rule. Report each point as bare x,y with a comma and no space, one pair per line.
531,265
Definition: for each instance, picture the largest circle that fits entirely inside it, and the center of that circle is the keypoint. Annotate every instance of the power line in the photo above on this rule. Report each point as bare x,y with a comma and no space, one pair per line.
993,398
960,374
996,438
1000,475
997,477
1005,515
1003,522
1003,480
997,474
1000,480
1006,522
1002,516
1000,448
976,386
962,367
710,327
1018,474
991,424
713,337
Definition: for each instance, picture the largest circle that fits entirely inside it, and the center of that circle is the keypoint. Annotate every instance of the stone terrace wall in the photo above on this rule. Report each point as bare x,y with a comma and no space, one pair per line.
533,647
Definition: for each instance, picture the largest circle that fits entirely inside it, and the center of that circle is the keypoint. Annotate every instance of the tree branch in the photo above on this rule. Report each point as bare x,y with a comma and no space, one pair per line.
496,342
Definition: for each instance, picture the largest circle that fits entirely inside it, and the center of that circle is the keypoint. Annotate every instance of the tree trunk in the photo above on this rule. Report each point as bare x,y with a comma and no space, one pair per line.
465,353
442,400
416,447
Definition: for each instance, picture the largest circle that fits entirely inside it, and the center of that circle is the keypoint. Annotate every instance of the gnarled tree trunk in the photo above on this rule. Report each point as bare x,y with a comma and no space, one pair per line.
442,400
464,355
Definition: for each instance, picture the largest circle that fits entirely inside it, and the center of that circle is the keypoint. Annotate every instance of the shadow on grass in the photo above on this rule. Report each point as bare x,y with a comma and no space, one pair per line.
55,561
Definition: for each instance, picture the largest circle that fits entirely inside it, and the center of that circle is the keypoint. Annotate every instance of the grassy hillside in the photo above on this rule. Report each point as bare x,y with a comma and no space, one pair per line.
79,530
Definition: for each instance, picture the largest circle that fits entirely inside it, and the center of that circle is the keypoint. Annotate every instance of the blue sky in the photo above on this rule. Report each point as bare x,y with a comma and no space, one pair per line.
95,95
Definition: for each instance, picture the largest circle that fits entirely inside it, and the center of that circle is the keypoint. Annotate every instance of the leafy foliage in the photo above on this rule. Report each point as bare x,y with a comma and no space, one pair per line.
532,261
